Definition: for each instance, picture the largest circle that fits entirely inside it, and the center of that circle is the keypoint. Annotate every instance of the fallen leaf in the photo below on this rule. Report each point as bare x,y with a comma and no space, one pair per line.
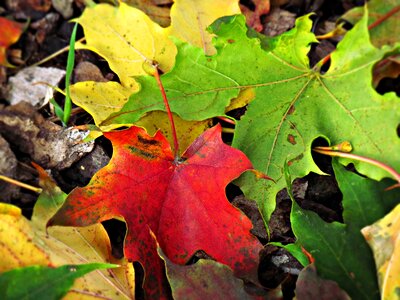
387,68
386,33
384,239
100,99
310,286
10,33
39,282
244,98
105,98
155,9
340,251
181,200
25,253
186,131
206,279
127,38
189,22
190,18
294,104
32,245
278,21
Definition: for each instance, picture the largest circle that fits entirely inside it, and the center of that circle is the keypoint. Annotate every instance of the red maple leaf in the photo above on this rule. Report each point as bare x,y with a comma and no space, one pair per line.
10,32
182,201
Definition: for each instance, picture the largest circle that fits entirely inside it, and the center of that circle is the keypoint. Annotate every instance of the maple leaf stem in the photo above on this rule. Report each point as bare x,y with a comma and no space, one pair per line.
168,109
390,170
384,17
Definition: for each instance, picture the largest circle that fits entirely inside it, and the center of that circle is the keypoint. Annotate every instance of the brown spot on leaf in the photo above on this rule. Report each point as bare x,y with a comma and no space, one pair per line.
145,141
291,110
230,41
291,139
141,152
296,159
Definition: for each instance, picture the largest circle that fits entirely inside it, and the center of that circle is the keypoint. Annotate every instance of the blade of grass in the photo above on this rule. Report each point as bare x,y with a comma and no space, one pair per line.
70,67
57,109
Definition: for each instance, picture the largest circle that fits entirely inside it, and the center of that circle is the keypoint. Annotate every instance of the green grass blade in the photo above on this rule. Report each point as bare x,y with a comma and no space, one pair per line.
57,109
70,67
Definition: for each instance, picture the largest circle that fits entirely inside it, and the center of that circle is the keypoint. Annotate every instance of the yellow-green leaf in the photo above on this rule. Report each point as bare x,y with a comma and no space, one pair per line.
112,32
186,131
384,239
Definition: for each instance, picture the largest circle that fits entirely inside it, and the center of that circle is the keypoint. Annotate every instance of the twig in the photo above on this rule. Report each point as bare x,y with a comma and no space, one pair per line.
390,170
21,184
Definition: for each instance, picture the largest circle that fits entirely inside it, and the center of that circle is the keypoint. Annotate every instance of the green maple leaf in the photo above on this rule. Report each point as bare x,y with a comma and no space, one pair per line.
294,104
40,282
340,251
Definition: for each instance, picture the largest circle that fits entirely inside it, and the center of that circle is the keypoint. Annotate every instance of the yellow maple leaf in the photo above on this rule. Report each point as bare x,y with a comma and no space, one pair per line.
26,243
126,37
190,18
100,99
384,239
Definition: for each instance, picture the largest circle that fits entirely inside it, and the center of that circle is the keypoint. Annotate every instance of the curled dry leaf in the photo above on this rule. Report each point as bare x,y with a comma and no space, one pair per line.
206,279
310,286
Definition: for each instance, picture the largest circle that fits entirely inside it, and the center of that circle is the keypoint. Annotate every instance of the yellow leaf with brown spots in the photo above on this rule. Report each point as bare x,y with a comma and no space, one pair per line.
384,239
113,33
17,248
26,243
126,37
100,99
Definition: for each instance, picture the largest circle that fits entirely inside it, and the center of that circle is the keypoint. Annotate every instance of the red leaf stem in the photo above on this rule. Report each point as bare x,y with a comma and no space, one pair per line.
170,117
